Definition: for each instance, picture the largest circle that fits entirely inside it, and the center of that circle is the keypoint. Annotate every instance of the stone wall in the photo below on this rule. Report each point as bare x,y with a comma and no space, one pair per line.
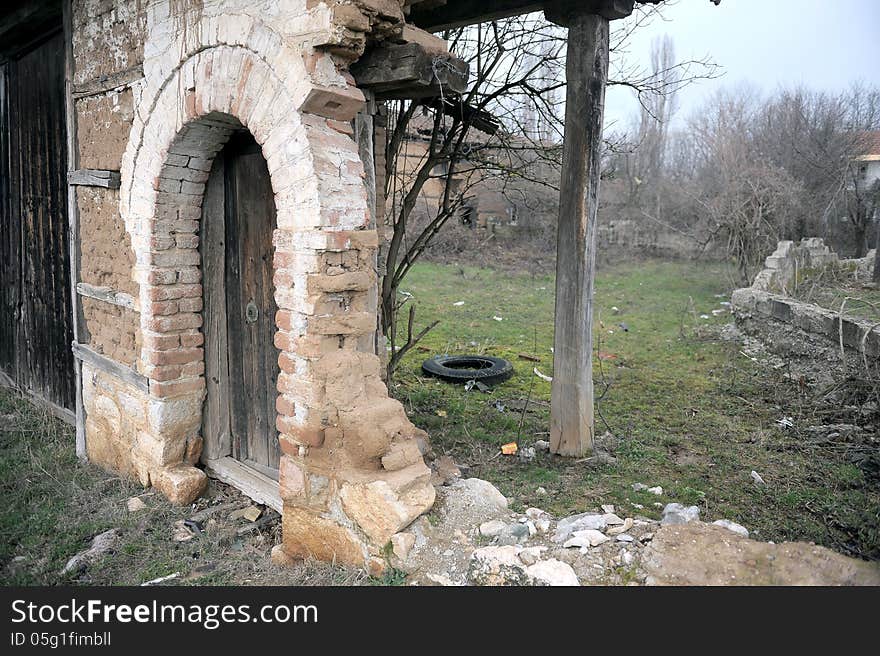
820,343
790,261
159,87
614,235
809,336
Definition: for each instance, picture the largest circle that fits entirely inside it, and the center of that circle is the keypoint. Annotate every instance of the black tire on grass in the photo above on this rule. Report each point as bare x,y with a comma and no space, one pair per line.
462,368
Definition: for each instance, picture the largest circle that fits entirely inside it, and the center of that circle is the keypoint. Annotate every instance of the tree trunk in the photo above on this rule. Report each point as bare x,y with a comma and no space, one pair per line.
861,238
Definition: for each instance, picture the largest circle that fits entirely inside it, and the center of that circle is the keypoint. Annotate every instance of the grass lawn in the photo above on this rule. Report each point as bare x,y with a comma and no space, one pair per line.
683,409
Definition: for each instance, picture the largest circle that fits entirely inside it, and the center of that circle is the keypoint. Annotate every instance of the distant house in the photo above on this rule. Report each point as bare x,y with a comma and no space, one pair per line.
869,162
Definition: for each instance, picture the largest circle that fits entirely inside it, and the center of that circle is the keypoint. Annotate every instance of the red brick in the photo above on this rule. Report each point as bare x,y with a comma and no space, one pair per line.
284,260
178,356
177,387
169,292
189,340
161,308
286,363
181,321
162,373
190,304
300,435
285,341
194,368
160,277
161,342
283,319
285,406
283,278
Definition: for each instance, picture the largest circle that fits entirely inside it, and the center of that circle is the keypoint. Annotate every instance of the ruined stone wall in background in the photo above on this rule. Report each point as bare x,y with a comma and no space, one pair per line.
820,343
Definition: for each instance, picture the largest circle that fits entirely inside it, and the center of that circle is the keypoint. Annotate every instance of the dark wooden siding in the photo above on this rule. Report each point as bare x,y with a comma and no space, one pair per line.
35,306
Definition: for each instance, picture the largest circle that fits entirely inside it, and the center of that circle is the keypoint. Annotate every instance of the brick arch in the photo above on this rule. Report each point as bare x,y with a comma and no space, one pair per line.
351,472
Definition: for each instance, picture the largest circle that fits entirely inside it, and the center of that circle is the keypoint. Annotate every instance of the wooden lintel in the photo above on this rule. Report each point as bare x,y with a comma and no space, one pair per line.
94,178
126,374
563,12
409,70
107,295
108,82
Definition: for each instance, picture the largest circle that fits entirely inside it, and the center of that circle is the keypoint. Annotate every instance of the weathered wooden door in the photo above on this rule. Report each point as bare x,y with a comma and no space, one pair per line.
36,322
241,361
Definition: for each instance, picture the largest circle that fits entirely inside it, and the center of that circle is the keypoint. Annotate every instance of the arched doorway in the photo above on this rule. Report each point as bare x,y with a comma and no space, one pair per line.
351,472
241,360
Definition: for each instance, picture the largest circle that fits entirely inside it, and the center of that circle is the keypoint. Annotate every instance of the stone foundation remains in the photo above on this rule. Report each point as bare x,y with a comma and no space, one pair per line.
812,338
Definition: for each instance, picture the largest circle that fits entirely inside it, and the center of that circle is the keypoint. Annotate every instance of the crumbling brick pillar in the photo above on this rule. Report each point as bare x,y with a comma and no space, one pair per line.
351,471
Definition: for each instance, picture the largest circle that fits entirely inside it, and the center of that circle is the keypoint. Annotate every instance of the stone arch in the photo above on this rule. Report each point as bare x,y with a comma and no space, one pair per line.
351,472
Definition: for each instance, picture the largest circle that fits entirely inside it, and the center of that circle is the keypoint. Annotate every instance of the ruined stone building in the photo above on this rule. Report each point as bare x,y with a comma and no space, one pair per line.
188,267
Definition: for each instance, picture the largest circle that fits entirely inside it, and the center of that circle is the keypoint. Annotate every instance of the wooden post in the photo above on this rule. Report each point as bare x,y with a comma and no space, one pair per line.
79,328
571,432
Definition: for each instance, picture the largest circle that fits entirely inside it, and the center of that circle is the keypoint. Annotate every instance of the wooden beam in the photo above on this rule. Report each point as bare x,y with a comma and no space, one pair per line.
447,14
94,178
39,400
453,13
571,412
126,374
247,480
27,23
107,295
106,83
409,70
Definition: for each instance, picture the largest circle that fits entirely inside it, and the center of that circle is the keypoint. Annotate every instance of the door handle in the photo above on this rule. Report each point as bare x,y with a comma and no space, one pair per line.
251,312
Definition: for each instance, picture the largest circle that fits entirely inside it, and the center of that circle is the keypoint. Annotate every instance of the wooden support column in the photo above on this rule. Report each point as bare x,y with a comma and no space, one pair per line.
80,333
571,432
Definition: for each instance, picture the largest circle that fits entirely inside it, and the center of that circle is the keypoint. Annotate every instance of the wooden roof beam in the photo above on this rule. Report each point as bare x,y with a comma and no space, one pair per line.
436,15
410,70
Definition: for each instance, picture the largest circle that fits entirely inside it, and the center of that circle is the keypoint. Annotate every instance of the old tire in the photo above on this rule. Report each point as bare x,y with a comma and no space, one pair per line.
462,368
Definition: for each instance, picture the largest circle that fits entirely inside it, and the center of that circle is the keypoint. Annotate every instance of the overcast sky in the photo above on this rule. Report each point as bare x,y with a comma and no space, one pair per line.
824,44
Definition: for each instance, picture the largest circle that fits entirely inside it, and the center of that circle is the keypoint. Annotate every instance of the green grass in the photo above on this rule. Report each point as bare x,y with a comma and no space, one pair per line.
682,410
53,505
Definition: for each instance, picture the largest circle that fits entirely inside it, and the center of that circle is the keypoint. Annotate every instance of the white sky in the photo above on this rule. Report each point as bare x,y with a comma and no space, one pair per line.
824,44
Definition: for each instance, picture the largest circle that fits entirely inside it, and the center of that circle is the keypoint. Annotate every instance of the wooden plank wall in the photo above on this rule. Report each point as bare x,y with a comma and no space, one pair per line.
35,301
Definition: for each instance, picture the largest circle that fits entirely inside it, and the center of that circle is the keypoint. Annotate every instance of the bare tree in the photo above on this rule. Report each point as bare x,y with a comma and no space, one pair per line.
644,162
505,129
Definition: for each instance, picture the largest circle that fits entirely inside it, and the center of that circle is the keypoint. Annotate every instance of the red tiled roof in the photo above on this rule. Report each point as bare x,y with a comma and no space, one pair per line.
871,141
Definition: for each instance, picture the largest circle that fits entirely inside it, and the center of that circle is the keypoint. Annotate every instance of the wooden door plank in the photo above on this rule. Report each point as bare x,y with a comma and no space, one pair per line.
212,243
255,214
239,393
37,171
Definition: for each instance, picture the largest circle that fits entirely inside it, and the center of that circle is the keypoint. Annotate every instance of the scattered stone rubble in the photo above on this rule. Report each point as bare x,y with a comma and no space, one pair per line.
473,538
